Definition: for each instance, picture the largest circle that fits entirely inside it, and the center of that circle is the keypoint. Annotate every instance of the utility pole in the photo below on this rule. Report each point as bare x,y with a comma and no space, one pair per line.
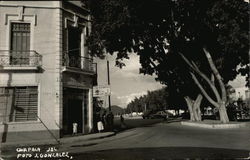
108,85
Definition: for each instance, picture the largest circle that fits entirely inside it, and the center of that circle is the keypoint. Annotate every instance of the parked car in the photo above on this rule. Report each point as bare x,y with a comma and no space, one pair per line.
211,117
242,115
156,115
185,115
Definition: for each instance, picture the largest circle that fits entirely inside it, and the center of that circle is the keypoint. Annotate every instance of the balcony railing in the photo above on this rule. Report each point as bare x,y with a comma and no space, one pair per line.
78,62
10,58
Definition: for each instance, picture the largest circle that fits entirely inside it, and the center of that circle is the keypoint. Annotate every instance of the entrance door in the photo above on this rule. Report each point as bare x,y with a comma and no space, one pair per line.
85,100
75,114
75,110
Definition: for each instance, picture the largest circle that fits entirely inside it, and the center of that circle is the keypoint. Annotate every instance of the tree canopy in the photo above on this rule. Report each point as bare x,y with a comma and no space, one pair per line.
158,29
153,100
176,39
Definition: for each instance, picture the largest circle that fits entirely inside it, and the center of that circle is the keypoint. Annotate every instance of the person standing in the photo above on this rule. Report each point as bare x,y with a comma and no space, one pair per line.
122,122
100,126
110,119
104,119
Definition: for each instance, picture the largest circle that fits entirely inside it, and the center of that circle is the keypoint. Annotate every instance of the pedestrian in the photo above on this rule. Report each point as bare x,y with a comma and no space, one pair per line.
75,128
123,125
100,126
104,119
109,120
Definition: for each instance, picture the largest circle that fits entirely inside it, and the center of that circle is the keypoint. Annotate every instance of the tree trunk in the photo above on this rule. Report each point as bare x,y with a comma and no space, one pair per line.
222,103
221,99
197,112
223,113
194,108
190,108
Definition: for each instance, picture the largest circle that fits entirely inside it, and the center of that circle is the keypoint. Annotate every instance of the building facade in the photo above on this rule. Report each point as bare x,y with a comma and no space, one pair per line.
46,74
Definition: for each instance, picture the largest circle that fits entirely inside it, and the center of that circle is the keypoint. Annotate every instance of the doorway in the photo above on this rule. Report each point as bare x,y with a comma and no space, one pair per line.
75,114
75,104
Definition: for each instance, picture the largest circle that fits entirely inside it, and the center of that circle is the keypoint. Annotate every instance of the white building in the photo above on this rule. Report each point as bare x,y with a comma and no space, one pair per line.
46,74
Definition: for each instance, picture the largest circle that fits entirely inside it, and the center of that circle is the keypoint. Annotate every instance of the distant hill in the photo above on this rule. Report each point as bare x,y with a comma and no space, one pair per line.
116,109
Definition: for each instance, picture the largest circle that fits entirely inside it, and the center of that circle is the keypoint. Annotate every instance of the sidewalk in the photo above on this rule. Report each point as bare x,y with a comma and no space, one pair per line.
215,124
9,149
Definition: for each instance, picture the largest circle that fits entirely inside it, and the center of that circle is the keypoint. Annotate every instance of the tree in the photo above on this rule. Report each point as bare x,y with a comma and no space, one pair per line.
184,42
154,100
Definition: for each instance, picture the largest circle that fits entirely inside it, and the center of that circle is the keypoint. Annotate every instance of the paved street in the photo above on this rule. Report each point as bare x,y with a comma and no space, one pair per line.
166,141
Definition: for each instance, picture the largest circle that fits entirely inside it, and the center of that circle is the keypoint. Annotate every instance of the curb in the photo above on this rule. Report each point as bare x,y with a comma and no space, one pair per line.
62,140
214,126
31,143
87,137
11,147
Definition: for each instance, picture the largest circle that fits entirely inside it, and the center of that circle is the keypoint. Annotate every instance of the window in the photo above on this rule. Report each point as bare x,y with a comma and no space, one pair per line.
74,47
20,43
20,103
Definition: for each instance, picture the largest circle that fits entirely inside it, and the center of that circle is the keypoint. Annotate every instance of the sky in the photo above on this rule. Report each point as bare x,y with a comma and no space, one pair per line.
127,83
239,85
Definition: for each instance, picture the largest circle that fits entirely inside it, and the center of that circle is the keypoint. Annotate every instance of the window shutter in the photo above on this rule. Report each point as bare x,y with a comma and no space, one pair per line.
26,104
6,102
2,105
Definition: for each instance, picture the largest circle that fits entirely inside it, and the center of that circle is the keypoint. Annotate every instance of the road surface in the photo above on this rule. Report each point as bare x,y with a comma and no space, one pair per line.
166,141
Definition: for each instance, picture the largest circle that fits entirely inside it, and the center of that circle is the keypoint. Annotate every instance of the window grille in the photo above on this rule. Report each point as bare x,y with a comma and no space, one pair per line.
20,43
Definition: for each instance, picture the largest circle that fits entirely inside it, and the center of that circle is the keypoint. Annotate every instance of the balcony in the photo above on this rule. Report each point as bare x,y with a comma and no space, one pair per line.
20,60
79,64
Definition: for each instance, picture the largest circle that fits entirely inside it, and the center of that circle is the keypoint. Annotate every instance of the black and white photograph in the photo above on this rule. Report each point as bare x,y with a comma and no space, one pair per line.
124,80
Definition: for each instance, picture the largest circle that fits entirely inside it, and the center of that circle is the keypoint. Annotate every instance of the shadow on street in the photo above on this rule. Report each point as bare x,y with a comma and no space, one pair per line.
164,153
